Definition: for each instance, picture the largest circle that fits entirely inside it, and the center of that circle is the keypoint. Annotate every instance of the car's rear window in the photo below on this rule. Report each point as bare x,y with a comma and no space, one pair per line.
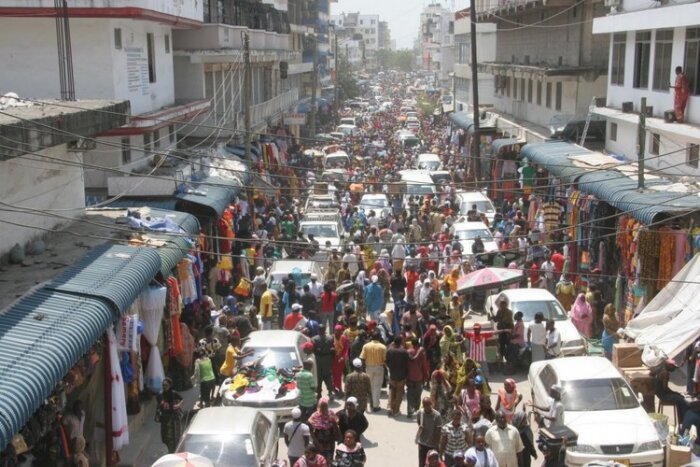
278,357
222,449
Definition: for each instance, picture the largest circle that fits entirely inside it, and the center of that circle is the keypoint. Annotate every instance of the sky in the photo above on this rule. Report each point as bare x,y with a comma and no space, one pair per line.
403,15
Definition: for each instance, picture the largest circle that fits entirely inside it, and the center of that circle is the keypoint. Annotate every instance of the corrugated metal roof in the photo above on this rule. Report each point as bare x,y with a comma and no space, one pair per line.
214,194
116,273
174,249
462,119
552,155
188,222
41,337
501,143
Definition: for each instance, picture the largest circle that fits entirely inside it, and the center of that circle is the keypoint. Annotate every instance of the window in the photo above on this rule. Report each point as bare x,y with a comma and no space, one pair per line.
147,148
126,150
522,89
693,155
539,92
167,43
515,88
547,377
548,96
655,143
117,38
613,131
558,95
171,131
691,64
617,64
508,86
662,59
150,46
529,91
642,50
156,139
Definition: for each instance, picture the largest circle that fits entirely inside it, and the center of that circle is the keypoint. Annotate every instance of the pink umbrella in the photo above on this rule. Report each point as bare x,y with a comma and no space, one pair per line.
183,459
487,278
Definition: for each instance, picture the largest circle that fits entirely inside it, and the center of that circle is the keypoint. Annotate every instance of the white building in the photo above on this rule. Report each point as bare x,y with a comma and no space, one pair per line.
437,41
119,52
647,41
358,31
486,38
548,64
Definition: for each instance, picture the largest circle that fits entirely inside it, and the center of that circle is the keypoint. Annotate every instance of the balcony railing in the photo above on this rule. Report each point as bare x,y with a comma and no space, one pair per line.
278,104
249,13
499,6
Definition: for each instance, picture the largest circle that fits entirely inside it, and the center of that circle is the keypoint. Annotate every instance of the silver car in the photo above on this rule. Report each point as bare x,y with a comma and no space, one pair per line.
240,436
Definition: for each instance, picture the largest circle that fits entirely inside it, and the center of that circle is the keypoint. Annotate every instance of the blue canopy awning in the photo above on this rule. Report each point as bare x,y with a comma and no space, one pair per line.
501,143
115,273
211,193
553,156
462,120
41,337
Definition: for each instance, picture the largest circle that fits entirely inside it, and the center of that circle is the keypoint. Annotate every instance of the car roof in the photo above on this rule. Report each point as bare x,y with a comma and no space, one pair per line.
373,195
223,421
528,295
476,225
286,265
274,338
428,155
587,367
472,195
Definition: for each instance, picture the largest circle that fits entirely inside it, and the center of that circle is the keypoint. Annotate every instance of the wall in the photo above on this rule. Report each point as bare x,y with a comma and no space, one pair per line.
660,100
108,154
28,182
181,8
189,79
30,67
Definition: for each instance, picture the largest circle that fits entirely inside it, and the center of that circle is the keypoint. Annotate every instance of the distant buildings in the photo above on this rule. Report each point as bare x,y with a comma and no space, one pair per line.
360,37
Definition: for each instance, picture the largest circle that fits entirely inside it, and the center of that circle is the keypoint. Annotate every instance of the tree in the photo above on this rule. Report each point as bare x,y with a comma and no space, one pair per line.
347,85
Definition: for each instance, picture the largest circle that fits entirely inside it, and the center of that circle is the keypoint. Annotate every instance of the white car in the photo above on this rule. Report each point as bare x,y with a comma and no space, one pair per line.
325,226
429,162
531,301
377,202
275,349
466,233
464,200
412,123
601,408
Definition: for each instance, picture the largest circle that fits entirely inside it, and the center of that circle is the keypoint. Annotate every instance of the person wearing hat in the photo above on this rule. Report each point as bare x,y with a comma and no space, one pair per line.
459,459
358,385
350,418
374,298
432,459
296,436
291,321
311,458
554,415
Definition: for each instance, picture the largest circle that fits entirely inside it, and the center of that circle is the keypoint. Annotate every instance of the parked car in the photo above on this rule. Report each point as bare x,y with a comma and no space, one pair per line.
601,408
466,233
277,349
325,226
531,301
240,436
282,268
464,200
377,202
429,162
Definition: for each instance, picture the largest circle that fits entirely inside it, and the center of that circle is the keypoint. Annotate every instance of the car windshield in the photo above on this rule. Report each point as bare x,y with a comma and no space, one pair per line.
222,449
481,206
412,189
588,395
471,234
429,165
323,203
320,230
374,202
550,310
278,357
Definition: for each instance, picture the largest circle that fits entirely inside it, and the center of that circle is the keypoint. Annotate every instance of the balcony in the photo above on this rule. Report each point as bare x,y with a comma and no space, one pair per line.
260,113
247,13
224,36
488,8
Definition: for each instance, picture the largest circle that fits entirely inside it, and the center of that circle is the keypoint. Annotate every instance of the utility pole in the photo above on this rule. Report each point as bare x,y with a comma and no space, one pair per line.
476,141
641,144
247,93
314,78
336,104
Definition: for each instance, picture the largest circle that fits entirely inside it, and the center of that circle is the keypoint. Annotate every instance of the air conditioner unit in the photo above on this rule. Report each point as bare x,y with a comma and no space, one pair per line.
612,3
627,107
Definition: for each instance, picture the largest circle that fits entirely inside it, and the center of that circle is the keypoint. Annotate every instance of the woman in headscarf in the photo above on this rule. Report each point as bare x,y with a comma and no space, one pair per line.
449,344
360,283
508,398
582,315
521,423
610,326
440,390
169,414
324,429
471,400
451,279
341,349
431,343
471,369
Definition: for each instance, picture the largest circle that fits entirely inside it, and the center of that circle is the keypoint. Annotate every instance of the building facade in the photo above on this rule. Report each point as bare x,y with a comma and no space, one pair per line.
436,41
356,31
647,43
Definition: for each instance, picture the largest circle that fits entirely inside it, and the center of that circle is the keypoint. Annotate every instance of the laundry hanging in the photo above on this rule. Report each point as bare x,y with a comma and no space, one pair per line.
152,303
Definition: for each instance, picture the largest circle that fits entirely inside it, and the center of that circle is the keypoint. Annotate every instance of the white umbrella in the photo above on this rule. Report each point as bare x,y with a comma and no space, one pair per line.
183,459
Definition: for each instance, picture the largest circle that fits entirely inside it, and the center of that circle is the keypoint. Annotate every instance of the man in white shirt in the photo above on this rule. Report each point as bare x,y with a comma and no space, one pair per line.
549,269
350,258
296,436
314,287
555,411
505,442
553,346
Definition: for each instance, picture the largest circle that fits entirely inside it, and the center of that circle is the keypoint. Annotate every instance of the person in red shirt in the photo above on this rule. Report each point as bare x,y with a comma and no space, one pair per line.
534,273
558,259
291,321
412,277
328,302
477,343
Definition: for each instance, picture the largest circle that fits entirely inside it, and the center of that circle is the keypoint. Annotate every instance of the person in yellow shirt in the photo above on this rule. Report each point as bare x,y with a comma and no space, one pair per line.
267,300
233,355
374,355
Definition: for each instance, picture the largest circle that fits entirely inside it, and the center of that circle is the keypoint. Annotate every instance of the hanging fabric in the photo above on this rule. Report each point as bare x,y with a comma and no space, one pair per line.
127,333
152,303
120,422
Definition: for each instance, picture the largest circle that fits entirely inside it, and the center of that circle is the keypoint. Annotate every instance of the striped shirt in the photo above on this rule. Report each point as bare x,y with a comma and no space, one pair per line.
374,353
456,437
477,345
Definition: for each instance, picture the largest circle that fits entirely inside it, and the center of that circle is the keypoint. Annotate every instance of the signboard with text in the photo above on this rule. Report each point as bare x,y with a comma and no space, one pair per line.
294,119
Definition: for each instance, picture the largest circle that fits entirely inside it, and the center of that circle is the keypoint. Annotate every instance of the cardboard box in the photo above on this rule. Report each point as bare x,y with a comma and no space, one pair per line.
677,455
626,355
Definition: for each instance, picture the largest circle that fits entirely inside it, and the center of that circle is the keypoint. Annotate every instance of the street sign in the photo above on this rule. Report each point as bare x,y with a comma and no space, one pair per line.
294,119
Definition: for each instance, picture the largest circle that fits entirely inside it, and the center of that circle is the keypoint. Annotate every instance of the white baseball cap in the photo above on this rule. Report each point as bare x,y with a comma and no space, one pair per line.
296,412
357,363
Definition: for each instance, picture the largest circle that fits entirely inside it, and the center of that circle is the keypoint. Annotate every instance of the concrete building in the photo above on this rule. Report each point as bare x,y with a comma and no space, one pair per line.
118,52
437,41
42,182
548,63
364,29
384,36
486,38
647,42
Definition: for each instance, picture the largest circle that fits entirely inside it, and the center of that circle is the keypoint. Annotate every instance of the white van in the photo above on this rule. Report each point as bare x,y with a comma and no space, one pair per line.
417,183
336,160
464,201
429,162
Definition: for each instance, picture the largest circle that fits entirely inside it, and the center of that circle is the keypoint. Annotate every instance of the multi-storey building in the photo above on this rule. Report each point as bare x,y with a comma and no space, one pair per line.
436,41
648,40
364,29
